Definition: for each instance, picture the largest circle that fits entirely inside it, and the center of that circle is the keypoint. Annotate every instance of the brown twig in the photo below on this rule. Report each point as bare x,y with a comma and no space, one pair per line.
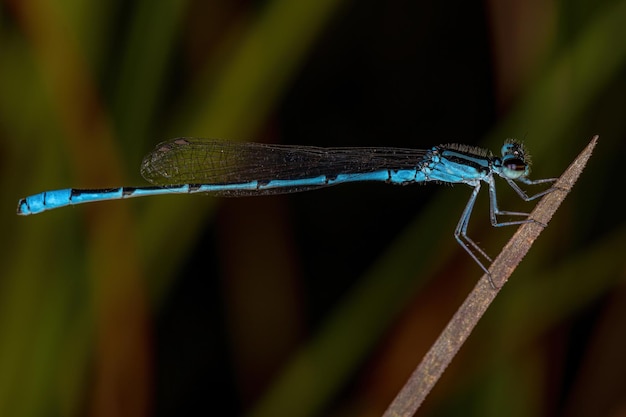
467,316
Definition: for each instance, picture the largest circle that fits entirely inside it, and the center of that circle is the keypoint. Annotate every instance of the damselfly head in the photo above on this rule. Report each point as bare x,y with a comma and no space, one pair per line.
515,162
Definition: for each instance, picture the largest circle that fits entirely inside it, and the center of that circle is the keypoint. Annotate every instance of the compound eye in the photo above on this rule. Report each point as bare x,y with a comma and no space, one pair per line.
512,150
514,168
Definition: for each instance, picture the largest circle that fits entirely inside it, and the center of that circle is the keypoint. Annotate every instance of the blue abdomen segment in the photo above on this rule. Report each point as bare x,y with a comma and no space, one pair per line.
44,201
60,198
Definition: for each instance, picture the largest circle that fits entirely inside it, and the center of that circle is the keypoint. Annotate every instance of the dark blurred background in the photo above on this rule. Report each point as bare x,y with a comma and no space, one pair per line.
320,303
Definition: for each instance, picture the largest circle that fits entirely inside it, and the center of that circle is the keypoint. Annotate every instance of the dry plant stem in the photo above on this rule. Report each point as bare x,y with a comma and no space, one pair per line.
465,319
